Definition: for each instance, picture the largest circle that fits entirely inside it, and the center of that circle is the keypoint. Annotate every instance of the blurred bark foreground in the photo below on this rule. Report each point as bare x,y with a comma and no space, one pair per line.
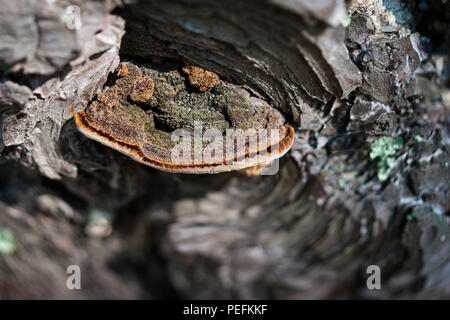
366,182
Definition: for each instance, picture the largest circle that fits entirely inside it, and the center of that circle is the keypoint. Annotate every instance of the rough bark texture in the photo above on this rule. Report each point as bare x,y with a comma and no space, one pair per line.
366,182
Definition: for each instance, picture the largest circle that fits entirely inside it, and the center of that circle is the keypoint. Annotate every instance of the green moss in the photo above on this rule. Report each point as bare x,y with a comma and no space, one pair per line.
384,149
7,242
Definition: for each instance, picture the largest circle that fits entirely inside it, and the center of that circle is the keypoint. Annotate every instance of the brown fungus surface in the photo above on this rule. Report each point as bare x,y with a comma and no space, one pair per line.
200,78
141,108
142,90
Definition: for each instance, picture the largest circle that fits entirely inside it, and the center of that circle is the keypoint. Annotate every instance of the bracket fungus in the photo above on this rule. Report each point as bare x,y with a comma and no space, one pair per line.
149,115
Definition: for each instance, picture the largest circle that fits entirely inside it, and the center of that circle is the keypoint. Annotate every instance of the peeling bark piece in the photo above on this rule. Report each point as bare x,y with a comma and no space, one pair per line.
333,60
359,29
33,140
33,37
254,133
12,93
13,98
389,62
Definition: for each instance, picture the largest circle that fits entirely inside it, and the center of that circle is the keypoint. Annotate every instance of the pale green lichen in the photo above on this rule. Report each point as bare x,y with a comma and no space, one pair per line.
7,242
419,138
384,149
341,183
346,21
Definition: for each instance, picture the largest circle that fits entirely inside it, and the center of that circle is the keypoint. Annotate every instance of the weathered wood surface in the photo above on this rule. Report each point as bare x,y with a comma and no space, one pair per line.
308,232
